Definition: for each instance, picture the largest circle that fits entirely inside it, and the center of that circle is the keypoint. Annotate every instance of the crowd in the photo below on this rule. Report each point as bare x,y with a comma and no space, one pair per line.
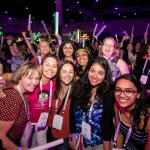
95,97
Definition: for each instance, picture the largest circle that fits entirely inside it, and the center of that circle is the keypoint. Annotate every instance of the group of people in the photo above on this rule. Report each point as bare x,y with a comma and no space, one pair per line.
89,96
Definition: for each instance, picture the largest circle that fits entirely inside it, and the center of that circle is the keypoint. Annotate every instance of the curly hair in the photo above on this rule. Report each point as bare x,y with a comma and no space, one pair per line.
82,89
61,54
141,103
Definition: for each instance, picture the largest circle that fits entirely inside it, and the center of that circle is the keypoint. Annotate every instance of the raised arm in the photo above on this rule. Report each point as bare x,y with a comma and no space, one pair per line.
29,44
31,37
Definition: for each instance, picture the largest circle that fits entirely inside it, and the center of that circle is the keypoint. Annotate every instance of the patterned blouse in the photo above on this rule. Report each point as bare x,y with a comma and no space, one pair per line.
96,115
114,69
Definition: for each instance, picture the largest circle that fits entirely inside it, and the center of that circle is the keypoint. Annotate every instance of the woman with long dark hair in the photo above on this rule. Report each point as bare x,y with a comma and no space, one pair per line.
132,114
92,106
67,51
61,104
82,58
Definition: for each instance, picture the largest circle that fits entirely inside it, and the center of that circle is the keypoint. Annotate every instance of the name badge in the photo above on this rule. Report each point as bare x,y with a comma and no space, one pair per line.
42,120
57,122
144,79
86,130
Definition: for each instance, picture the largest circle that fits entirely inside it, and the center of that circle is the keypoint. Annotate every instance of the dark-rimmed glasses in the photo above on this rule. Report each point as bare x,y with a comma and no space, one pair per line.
127,92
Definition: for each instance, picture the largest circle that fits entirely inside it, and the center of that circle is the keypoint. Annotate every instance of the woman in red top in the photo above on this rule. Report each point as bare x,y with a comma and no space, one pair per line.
60,129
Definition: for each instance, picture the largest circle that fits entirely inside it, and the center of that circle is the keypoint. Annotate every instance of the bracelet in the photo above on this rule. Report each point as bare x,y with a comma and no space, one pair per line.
19,148
73,139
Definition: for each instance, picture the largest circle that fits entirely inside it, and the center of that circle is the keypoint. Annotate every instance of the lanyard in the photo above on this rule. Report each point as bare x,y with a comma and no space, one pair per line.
56,105
110,58
117,131
145,66
50,96
90,112
27,109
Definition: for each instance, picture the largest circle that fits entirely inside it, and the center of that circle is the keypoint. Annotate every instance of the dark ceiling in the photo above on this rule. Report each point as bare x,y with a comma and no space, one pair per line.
44,9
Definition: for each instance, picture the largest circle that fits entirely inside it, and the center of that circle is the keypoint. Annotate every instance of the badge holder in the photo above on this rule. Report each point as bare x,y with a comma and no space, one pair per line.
42,120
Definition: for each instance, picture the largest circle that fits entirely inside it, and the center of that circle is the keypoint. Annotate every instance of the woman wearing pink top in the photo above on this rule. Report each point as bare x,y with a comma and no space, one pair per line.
39,103
67,51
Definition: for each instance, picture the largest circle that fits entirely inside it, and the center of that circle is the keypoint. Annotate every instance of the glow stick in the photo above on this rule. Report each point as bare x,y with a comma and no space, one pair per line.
44,26
126,34
83,44
56,15
73,35
132,29
78,35
101,30
2,38
51,41
116,35
29,22
95,29
39,59
147,28
120,53
48,145
1,33
35,37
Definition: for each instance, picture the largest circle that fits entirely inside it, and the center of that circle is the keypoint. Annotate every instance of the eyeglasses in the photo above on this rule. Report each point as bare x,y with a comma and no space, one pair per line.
127,92
106,45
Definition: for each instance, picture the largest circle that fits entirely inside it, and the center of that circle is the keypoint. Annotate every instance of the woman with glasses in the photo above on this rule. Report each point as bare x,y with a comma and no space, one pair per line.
132,113
118,66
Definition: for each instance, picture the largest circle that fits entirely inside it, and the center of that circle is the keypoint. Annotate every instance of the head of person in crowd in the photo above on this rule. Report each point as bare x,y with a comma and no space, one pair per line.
49,66
44,48
65,77
108,47
130,48
82,58
27,76
23,47
117,52
137,47
67,50
124,54
98,77
56,48
131,95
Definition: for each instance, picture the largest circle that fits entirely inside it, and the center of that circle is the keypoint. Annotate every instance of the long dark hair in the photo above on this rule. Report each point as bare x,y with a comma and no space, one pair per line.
141,103
61,54
58,80
125,56
82,89
79,70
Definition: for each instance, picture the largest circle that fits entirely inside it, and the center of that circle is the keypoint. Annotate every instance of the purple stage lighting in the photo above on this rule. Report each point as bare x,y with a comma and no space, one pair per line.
9,18
118,14
31,21
103,22
134,13
96,0
67,9
77,2
66,25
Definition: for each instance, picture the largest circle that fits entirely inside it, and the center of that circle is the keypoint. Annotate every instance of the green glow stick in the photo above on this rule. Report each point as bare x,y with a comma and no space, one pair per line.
0,27
73,35
1,33
83,44
56,22
31,42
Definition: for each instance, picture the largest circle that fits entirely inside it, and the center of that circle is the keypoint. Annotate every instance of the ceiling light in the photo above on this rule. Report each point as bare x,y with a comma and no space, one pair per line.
5,12
77,2
9,18
80,12
27,8
118,14
134,13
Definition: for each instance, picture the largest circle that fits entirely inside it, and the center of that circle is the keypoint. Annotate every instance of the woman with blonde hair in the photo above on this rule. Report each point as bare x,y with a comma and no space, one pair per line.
14,108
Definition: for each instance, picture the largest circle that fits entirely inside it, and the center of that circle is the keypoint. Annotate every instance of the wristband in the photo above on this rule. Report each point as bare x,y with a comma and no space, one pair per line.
73,139
19,148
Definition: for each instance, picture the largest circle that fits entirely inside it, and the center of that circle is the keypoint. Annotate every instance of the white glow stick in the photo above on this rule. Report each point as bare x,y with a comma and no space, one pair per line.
78,36
39,59
44,26
48,145
132,29
147,28
126,34
29,22
2,38
95,29
120,53
51,41
100,31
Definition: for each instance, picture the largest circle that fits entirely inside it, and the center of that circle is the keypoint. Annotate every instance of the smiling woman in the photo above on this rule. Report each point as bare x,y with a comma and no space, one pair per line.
14,108
92,107
58,121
